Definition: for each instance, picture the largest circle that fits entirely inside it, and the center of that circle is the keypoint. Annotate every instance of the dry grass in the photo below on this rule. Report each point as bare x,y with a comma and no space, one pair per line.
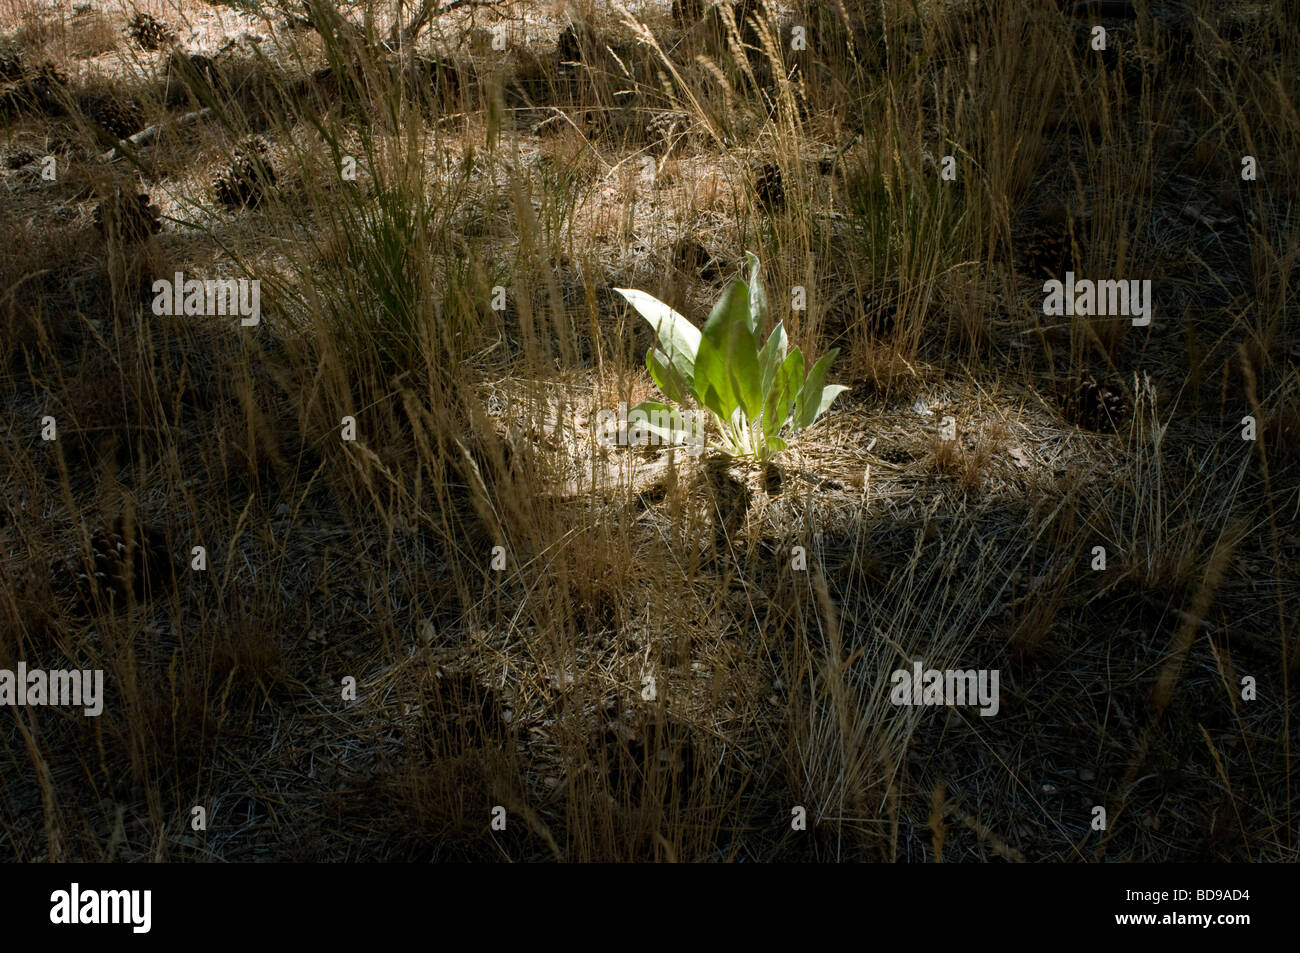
639,654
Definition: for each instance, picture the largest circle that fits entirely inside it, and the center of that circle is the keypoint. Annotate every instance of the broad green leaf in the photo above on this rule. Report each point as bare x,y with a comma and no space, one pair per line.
785,385
773,419
829,393
708,397
772,355
757,296
729,351
809,399
792,372
667,376
745,370
710,384
680,339
661,420
732,307
775,404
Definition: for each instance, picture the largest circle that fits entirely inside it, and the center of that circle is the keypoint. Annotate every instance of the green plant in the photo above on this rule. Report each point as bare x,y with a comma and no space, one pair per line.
751,391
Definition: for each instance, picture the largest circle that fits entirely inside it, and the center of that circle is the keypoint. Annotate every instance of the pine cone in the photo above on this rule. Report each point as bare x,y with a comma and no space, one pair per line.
897,455
46,86
120,118
436,79
570,44
17,158
768,188
246,183
125,560
881,314
48,74
686,12
12,99
11,64
149,32
1094,406
1049,254
1133,67
692,258
127,215
460,713
641,751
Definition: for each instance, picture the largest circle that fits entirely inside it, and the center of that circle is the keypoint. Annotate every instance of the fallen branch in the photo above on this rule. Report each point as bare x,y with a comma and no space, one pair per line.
400,37
146,136
141,138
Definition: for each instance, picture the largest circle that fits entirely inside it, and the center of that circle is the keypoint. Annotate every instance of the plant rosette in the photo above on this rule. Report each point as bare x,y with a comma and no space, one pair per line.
755,393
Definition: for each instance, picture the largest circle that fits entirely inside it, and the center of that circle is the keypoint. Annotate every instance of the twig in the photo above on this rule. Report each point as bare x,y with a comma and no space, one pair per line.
146,136
400,36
